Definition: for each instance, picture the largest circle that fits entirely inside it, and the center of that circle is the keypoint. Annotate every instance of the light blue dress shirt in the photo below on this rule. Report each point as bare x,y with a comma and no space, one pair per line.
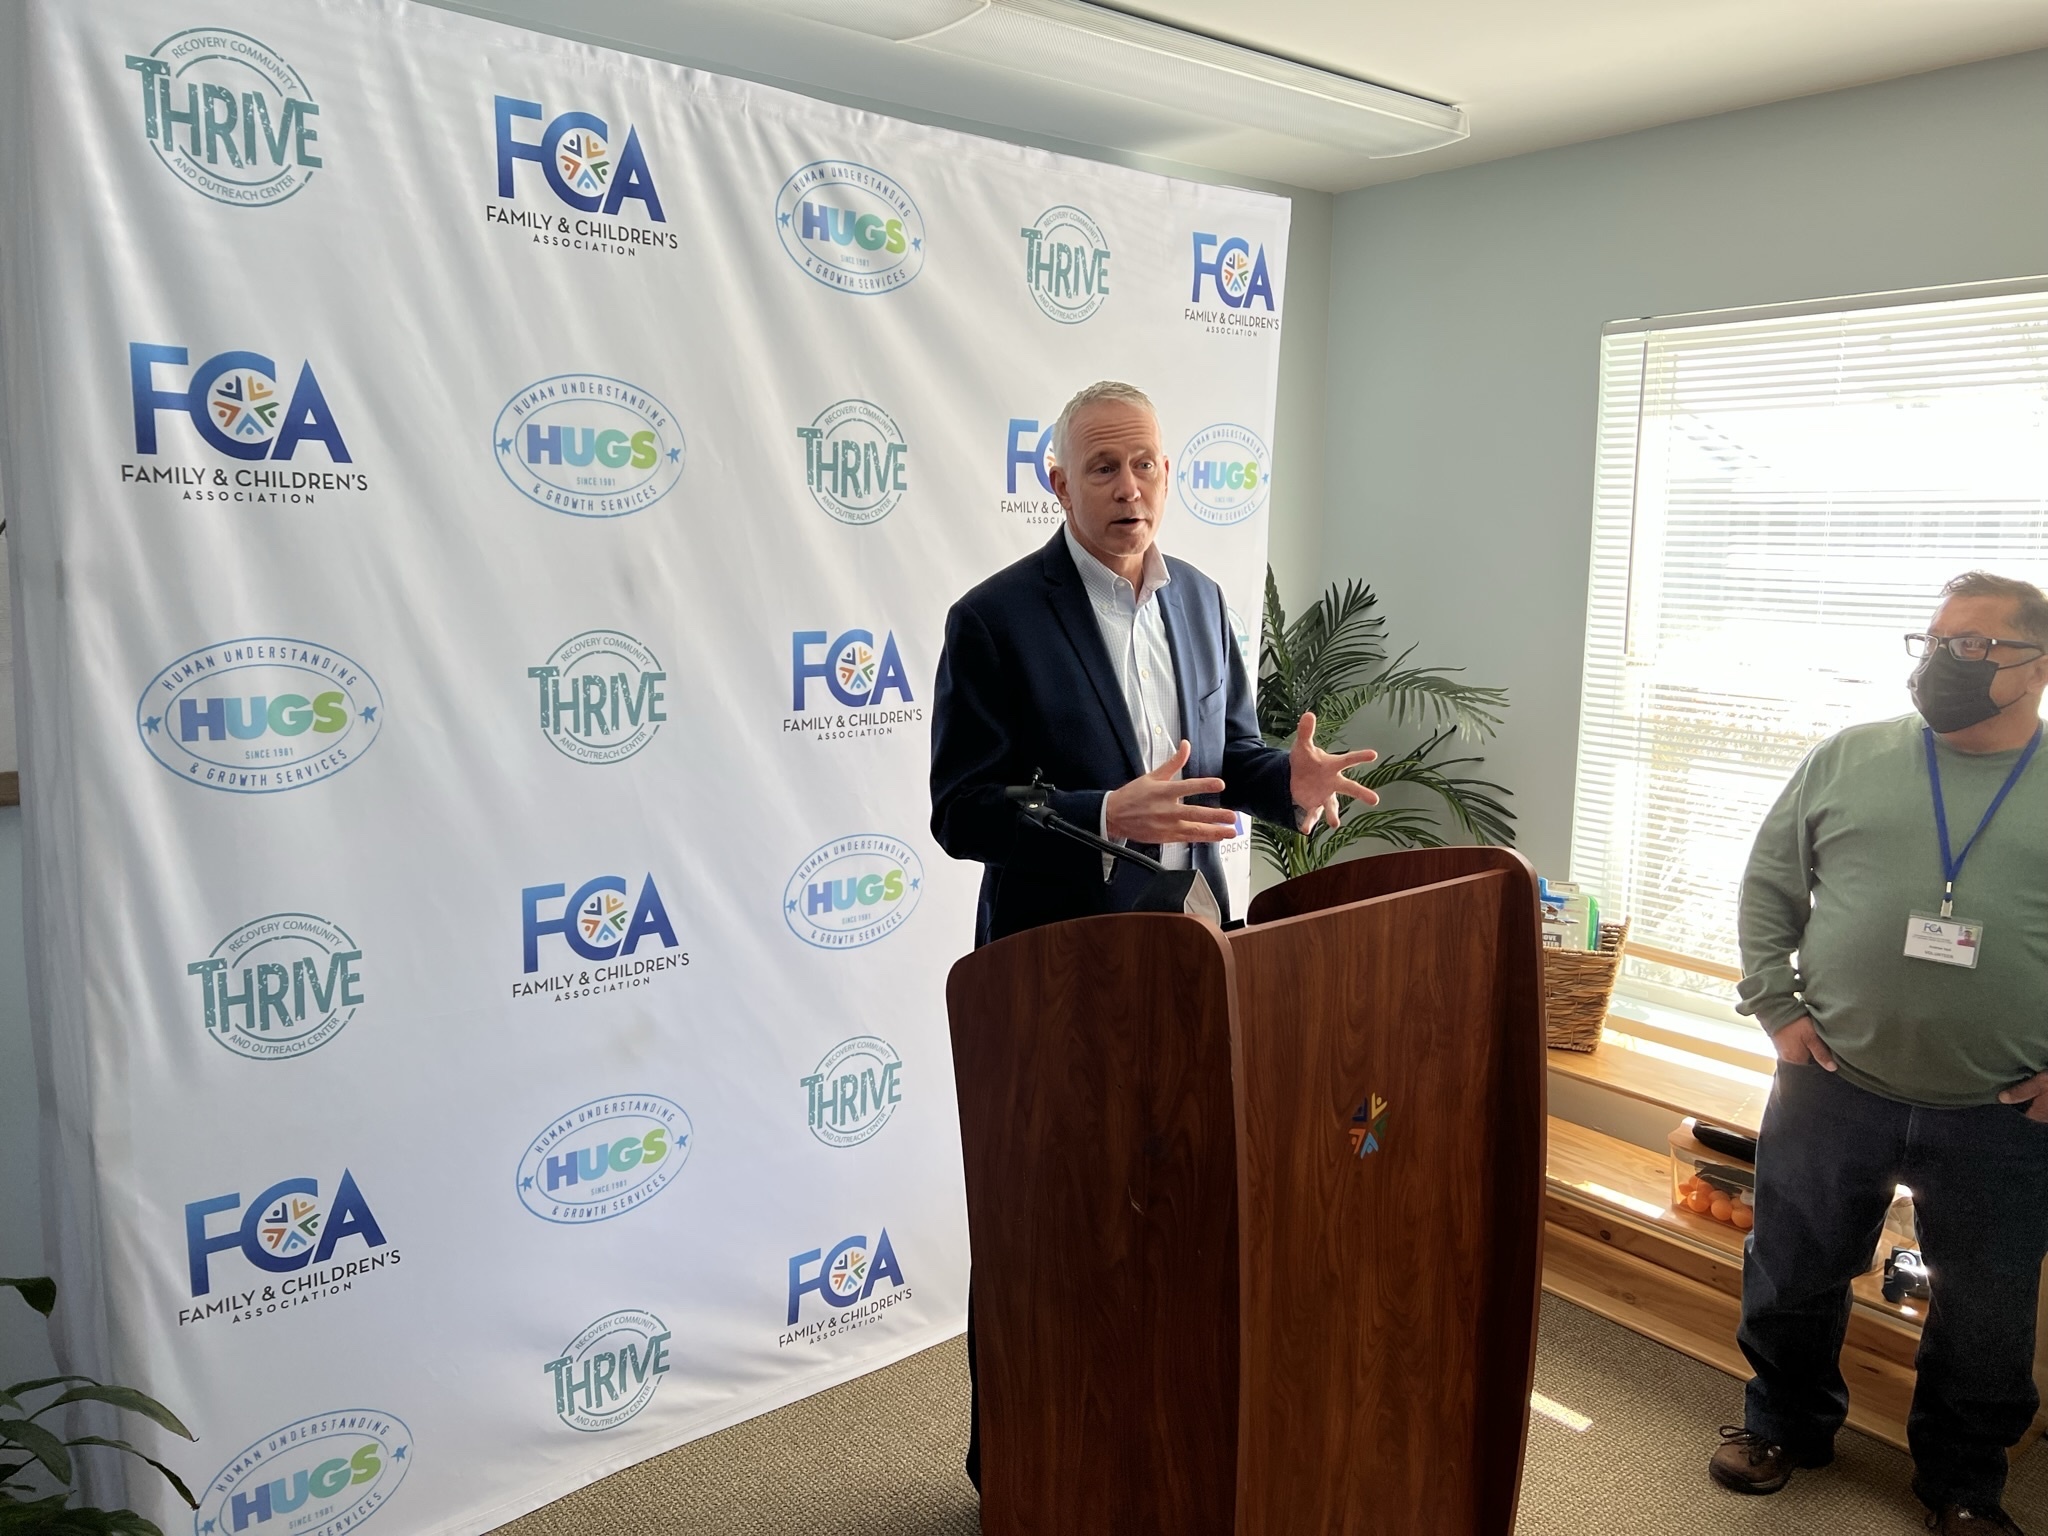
1134,632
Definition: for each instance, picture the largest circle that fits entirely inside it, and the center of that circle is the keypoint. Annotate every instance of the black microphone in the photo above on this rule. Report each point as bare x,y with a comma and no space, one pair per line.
1159,890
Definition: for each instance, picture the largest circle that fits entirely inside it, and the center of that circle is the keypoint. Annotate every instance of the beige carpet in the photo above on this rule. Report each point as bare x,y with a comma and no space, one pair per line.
882,1455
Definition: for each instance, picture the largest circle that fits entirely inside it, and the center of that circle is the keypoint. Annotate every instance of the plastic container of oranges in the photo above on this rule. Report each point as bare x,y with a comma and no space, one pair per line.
1711,1184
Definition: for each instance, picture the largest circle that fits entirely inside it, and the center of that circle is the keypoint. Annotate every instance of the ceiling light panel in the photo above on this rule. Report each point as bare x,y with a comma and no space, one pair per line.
1091,46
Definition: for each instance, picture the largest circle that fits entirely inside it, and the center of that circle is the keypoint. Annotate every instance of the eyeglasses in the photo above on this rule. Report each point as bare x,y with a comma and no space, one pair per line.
1971,647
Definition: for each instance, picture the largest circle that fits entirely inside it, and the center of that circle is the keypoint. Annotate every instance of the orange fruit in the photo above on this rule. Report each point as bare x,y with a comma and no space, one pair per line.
1744,1216
1699,1200
1722,1208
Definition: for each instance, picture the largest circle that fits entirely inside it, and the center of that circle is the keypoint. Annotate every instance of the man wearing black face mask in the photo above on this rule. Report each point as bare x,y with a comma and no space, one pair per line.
1894,928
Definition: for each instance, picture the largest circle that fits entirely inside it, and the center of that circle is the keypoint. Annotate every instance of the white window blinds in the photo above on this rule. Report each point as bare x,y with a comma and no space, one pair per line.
1780,495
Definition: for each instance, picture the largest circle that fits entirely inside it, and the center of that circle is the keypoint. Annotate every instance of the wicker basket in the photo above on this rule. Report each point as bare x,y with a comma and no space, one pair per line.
1577,984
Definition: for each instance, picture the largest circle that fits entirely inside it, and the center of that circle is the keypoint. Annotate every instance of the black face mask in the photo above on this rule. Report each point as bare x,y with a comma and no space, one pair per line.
1953,695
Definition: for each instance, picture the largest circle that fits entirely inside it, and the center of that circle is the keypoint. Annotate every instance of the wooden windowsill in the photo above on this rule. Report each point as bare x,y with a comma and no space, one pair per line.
1714,1091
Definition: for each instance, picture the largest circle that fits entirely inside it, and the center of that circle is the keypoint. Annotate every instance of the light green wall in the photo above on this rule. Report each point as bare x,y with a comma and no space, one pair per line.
24,1346
1465,315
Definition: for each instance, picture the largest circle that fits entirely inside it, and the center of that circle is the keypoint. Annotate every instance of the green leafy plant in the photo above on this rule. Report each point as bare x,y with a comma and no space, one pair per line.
1333,659
25,1443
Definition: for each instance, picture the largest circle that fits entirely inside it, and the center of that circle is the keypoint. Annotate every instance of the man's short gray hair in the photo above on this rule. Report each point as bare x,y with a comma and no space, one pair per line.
2030,606
1103,390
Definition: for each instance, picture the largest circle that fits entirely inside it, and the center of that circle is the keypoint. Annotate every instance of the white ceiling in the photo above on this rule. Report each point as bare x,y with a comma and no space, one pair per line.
1530,75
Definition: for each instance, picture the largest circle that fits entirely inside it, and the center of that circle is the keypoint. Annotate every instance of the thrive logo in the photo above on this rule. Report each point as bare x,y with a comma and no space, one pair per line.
604,1158
1369,1126
586,170
1066,264
600,925
600,696
319,1476
259,715
1027,468
280,986
1223,474
236,403
845,1279
589,445
851,227
288,1230
610,1370
853,891
854,1091
1236,276
853,671
1247,647
228,116
855,461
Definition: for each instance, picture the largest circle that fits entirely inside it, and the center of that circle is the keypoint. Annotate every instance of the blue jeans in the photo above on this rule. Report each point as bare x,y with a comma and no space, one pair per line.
1828,1157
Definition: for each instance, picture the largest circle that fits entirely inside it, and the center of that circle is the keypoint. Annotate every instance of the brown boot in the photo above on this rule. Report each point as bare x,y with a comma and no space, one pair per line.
1749,1463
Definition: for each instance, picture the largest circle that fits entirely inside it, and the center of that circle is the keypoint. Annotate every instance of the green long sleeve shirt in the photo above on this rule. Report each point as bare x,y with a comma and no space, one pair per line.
1845,857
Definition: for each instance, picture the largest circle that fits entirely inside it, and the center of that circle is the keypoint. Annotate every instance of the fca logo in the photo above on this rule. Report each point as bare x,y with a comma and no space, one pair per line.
851,668
1029,446
574,155
1237,275
235,402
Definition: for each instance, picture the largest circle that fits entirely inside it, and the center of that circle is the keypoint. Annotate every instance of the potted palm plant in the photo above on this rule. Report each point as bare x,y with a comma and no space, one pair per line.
1333,659
26,1443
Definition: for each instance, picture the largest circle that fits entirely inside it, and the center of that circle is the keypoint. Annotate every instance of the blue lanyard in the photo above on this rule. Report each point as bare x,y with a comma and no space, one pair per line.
1952,863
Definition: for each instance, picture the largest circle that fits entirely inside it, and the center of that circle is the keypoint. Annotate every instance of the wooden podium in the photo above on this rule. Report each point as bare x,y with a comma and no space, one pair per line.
1257,1217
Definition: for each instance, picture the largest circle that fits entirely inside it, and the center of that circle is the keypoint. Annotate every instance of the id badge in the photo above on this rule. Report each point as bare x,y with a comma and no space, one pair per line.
1944,940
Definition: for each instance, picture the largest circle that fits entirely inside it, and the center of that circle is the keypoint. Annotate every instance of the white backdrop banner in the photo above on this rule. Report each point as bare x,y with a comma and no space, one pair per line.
484,510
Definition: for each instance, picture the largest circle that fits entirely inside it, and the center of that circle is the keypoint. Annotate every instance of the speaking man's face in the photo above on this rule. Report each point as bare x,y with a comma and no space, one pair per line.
1115,493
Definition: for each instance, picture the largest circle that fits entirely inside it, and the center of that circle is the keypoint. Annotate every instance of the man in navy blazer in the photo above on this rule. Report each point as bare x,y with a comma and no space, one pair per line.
1112,669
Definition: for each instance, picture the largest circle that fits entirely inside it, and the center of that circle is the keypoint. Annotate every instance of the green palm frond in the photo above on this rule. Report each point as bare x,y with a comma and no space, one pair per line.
1305,664
1332,659
1433,696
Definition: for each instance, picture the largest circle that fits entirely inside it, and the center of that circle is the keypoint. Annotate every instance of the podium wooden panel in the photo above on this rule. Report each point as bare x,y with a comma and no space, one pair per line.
1204,1300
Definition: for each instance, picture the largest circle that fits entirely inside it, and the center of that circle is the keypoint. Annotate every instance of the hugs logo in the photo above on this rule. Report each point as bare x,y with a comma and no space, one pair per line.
853,891
588,445
851,227
319,1476
604,1158
228,116
280,986
1223,474
260,715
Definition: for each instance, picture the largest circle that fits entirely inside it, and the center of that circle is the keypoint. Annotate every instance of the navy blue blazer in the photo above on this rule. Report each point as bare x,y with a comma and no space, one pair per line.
1025,683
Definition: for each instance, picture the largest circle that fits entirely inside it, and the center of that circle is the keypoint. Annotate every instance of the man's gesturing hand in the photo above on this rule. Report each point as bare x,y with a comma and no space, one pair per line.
1149,809
1800,1043
1319,776
2033,1093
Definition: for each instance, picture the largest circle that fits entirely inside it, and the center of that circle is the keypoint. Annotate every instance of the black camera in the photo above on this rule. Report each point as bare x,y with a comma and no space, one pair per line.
1905,1276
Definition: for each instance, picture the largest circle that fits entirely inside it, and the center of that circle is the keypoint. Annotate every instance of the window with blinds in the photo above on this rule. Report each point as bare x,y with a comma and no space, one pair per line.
1780,495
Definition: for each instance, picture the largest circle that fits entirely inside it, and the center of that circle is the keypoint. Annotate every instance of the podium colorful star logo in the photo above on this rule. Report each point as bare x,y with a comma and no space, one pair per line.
1368,1126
